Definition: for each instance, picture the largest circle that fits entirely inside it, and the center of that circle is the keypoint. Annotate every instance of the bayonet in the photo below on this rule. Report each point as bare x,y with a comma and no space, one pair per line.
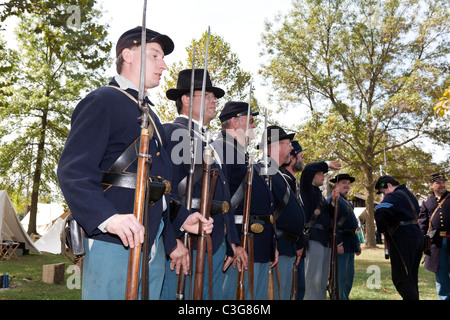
248,119
202,105
181,281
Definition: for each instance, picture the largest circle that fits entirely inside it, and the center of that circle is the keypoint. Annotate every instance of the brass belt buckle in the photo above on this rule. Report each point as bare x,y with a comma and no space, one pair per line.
257,228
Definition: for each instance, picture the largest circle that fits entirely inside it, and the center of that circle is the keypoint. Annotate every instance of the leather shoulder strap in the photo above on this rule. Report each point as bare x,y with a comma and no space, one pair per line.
135,100
436,210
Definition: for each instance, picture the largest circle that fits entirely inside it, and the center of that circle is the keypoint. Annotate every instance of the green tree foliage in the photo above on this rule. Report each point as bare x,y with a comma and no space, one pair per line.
367,73
224,70
61,54
444,103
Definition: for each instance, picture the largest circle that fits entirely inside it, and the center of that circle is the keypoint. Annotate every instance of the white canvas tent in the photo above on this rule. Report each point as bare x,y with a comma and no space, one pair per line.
10,226
47,214
359,212
51,241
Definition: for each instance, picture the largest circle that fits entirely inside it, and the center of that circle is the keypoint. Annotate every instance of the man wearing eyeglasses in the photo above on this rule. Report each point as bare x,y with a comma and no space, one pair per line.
230,146
224,237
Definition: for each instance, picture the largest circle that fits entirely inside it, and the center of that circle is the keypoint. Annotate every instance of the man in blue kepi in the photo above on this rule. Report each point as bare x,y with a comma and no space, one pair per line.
289,171
396,217
288,213
235,161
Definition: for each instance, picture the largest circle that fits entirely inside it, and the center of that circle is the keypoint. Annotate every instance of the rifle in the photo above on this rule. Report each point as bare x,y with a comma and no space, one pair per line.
240,292
204,210
294,282
265,169
386,247
333,286
143,172
208,158
270,289
265,173
181,280
245,223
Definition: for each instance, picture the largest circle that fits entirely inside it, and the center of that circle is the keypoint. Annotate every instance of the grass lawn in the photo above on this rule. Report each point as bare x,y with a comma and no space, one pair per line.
26,279
372,279
371,266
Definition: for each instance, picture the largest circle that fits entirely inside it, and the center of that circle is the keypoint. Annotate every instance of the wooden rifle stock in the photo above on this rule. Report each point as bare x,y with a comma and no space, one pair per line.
270,287
333,287
181,280
240,292
139,204
294,282
201,242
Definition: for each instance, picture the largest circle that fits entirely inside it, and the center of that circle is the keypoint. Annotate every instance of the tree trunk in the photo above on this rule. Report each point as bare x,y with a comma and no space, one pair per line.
370,208
37,176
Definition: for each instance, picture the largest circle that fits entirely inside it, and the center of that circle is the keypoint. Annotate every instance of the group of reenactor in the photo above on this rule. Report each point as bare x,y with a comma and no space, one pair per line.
225,226
262,232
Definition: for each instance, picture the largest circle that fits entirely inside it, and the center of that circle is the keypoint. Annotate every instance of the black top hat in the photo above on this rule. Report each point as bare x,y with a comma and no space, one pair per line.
133,38
437,177
297,147
383,181
342,176
184,84
235,109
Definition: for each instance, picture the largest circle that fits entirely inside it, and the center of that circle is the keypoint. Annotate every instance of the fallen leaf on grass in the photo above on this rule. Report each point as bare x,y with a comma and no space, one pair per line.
28,279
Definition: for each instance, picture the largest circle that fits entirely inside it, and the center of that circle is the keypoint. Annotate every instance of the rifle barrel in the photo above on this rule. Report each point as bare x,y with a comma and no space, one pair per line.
181,280
240,292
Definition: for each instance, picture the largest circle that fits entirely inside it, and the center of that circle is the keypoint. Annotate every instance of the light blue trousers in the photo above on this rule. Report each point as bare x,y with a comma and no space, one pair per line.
443,273
105,268
346,273
285,265
260,282
317,268
170,279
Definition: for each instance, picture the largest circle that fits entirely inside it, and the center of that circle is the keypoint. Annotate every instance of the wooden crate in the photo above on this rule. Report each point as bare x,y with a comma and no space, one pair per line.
53,273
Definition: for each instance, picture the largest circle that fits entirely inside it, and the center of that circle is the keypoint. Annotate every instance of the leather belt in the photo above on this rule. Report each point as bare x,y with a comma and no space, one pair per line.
444,234
322,227
119,179
217,206
407,223
264,219
288,236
